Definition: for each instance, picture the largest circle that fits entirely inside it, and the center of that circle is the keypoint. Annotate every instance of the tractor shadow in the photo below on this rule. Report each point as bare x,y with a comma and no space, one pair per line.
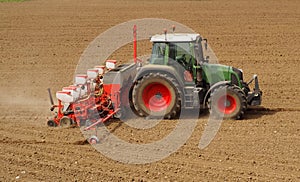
251,113
254,112
259,111
117,122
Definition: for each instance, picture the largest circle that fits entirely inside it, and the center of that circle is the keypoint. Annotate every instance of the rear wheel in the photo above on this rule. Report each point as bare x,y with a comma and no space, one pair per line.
157,95
228,102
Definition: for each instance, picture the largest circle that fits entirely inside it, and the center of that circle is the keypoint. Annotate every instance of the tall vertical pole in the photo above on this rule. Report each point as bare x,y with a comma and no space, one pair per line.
134,43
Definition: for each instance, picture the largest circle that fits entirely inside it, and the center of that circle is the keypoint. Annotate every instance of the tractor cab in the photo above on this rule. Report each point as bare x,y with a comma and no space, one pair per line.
179,47
182,51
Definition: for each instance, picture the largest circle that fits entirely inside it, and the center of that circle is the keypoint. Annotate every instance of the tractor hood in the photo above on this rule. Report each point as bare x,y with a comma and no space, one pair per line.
213,73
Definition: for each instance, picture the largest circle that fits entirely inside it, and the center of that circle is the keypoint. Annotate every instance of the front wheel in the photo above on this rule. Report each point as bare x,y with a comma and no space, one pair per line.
228,102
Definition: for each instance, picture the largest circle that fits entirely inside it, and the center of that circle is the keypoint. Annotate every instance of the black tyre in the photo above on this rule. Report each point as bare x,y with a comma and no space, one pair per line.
51,123
157,95
228,102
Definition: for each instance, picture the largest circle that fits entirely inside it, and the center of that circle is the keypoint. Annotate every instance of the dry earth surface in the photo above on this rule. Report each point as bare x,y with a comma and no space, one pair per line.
41,43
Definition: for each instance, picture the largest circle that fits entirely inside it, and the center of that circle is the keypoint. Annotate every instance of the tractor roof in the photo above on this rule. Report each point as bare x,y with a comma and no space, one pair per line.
174,37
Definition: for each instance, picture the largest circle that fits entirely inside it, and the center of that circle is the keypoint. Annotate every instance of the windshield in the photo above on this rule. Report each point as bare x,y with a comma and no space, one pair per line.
181,52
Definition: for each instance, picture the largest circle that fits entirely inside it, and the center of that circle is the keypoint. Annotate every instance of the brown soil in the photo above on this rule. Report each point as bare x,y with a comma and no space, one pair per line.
41,43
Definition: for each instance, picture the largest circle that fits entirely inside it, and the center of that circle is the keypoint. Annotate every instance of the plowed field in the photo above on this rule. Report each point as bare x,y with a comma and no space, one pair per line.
42,41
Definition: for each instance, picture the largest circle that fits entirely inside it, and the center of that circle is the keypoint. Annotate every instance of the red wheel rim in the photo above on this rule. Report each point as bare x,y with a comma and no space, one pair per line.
157,97
227,104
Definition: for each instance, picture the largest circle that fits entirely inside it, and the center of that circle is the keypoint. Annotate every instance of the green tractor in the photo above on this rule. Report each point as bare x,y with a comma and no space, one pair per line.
179,76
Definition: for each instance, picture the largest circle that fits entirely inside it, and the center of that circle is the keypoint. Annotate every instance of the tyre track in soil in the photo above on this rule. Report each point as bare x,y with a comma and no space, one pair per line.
43,39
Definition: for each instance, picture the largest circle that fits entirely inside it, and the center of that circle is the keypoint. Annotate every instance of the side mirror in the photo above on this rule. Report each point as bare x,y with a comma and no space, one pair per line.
205,43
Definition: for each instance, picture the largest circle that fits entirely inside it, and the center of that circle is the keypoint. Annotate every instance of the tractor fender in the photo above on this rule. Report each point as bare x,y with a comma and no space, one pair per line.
216,85
171,71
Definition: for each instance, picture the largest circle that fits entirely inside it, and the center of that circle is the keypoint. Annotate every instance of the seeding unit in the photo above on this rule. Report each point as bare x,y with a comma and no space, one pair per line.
89,98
